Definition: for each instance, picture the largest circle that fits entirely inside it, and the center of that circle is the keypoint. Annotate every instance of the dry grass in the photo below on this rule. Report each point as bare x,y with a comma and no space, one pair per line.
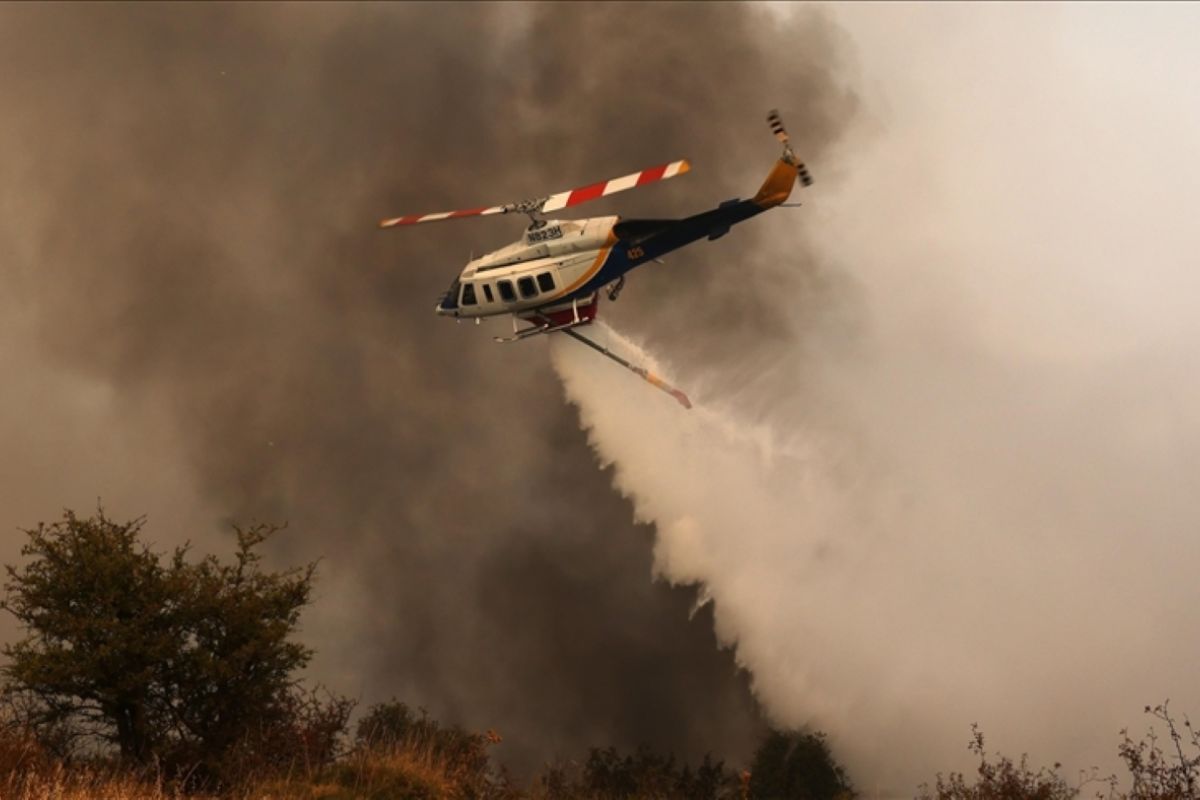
62,783
407,770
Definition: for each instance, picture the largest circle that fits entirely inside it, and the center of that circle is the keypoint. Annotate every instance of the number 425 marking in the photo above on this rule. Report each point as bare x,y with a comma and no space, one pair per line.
635,252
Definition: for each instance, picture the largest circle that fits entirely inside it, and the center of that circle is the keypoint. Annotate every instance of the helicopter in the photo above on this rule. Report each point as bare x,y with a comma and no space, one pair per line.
551,279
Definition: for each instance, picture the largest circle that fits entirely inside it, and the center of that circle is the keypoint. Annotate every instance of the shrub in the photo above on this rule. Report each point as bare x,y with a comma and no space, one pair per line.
1002,779
797,766
392,733
185,665
1157,774
609,775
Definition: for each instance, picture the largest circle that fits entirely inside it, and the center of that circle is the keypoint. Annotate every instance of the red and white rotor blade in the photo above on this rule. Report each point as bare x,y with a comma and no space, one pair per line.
413,219
574,197
555,202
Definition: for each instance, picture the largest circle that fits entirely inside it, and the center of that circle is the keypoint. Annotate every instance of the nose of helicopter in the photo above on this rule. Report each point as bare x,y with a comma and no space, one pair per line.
448,303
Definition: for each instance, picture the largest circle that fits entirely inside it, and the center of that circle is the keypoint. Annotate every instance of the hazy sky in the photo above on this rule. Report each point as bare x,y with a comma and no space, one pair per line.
944,465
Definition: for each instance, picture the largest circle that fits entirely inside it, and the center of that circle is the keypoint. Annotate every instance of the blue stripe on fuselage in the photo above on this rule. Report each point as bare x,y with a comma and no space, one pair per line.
636,250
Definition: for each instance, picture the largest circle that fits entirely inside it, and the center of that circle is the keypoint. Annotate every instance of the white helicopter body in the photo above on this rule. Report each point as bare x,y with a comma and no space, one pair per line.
552,277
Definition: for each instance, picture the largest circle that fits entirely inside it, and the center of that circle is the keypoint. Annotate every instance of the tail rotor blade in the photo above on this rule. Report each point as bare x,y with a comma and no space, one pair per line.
776,123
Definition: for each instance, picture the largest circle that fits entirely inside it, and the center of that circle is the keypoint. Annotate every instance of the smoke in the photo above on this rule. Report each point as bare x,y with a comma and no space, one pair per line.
943,465
201,323
953,478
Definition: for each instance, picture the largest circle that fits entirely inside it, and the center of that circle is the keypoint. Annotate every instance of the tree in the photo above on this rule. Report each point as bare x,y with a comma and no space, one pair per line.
797,766
158,656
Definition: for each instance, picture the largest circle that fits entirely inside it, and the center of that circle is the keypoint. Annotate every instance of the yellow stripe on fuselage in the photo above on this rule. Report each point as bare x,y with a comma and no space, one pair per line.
601,257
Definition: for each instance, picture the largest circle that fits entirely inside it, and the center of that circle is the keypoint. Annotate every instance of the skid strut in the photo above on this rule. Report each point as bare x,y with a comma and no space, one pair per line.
646,374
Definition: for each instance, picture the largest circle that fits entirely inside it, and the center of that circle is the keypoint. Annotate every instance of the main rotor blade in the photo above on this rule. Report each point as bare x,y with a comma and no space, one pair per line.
573,197
413,219
555,202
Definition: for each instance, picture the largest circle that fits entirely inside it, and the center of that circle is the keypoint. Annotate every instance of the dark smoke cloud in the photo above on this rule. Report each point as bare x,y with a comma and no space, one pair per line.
189,194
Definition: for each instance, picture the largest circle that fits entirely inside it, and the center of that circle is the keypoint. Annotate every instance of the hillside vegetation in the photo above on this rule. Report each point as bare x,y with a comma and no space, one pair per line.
143,676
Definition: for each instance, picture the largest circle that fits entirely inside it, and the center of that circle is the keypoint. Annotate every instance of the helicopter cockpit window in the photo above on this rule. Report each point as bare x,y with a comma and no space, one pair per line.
526,286
449,300
546,282
506,291
487,292
468,294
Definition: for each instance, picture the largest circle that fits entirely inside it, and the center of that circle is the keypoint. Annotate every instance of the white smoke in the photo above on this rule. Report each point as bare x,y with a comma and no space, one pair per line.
984,505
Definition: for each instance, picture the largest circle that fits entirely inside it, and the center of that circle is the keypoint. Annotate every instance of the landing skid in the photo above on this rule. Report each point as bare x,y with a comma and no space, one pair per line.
553,318
646,374
537,330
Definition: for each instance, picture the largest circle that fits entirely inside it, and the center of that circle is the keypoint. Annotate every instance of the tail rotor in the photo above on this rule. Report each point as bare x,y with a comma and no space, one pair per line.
776,123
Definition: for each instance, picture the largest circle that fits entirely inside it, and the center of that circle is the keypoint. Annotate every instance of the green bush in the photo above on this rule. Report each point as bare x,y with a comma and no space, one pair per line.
797,766
186,665
609,775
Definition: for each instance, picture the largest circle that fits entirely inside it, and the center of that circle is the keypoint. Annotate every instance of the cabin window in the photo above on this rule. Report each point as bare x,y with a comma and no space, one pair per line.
546,282
506,291
468,295
487,292
526,286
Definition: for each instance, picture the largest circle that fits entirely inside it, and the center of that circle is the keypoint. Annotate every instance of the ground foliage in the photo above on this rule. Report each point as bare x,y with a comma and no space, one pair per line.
1000,778
392,728
1173,772
184,665
797,765
146,676
1156,770
607,775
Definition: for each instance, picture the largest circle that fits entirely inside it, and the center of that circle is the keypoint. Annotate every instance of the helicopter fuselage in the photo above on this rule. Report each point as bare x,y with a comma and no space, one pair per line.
563,263
551,278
